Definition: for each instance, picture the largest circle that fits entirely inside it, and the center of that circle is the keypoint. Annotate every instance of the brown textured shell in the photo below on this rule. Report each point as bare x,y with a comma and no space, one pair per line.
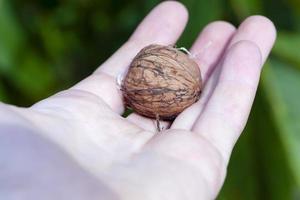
161,81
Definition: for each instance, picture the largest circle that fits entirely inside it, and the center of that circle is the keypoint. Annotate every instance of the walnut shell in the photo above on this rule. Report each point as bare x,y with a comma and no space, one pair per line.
161,81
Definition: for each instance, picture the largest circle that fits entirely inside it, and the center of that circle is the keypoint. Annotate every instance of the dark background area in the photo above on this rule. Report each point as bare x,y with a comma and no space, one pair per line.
48,45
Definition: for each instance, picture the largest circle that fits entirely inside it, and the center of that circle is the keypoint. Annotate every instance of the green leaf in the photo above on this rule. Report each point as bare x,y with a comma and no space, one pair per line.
281,84
242,181
3,95
271,163
294,6
200,14
34,78
11,37
245,8
287,47
262,165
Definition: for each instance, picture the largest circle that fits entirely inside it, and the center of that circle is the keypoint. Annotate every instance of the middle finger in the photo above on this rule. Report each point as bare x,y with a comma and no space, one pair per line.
207,50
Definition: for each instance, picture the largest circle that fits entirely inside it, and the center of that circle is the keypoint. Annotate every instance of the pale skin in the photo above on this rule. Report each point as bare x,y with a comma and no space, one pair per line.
76,145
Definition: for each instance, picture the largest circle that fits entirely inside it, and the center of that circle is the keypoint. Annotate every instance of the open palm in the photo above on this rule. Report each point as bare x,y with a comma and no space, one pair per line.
76,144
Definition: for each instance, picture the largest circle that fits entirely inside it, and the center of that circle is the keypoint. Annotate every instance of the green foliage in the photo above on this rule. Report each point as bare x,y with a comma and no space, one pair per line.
200,12
48,45
287,47
281,83
11,38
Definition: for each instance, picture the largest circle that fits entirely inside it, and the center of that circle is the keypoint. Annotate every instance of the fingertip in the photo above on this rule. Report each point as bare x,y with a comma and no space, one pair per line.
221,24
260,30
178,11
216,32
210,45
167,20
177,6
163,25
260,21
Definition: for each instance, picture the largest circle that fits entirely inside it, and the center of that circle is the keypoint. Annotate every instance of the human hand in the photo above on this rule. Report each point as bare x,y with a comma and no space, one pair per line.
101,155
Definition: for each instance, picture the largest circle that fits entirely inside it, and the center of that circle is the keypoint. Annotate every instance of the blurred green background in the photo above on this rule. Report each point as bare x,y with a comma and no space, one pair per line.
48,45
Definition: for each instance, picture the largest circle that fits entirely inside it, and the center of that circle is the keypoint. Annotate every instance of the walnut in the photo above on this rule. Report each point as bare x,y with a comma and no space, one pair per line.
161,82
